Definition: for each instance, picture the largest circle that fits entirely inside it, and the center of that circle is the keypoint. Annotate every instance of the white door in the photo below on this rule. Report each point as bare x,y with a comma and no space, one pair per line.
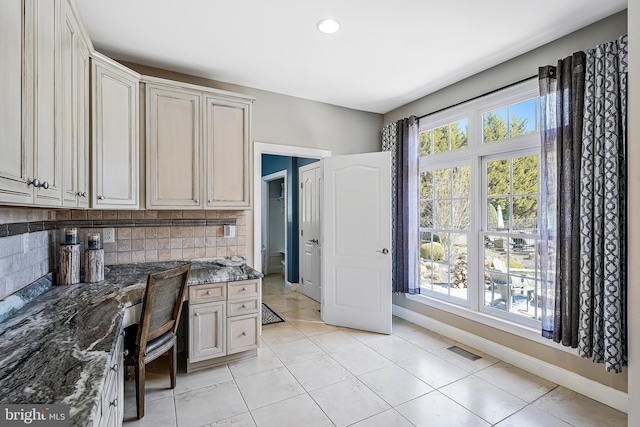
356,241
310,180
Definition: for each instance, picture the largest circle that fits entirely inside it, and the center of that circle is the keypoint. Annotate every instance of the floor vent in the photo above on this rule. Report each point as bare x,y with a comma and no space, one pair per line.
464,353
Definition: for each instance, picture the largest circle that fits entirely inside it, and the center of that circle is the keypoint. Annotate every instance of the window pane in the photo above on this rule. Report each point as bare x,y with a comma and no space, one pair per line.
525,175
425,143
461,214
443,214
523,117
443,183
525,214
459,136
498,178
441,139
426,185
497,214
461,181
426,214
494,125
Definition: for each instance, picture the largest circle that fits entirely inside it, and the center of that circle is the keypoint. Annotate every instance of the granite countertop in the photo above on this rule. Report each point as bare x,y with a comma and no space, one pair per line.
56,348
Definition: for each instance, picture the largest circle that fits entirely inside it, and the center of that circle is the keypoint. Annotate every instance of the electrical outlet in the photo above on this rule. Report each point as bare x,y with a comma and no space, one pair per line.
108,235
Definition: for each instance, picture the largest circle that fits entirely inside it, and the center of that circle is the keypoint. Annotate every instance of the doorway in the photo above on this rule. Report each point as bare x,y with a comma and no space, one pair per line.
279,154
274,220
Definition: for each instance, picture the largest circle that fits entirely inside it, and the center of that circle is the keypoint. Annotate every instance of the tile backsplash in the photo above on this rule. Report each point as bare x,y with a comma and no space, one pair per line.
141,236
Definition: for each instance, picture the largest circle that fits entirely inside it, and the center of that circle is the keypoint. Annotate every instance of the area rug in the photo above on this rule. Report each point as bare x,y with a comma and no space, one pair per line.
269,316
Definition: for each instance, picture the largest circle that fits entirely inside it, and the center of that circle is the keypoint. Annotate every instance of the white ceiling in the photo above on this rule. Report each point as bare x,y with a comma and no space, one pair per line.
386,54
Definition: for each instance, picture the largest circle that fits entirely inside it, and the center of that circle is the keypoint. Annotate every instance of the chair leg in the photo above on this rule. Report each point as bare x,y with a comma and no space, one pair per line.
140,377
173,364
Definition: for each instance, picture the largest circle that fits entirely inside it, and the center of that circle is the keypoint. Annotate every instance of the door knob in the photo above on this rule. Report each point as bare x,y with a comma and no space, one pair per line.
384,251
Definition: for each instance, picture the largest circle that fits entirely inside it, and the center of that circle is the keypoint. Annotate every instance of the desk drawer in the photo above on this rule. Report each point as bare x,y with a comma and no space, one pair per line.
243,333
244,289
240,307
209,292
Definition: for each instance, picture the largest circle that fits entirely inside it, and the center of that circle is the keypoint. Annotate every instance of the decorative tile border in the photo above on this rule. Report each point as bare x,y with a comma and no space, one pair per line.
15,228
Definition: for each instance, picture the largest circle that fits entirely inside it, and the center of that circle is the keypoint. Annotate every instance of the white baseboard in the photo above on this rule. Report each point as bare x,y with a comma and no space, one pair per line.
292,286
600,392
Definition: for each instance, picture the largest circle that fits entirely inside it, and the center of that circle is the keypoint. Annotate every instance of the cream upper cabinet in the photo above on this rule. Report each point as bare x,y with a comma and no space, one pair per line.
115,135
197,145
30,165
73,106
227,146
47,149
173,146
16,146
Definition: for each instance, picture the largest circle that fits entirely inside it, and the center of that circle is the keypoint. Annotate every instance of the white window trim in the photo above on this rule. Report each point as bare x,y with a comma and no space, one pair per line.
475,154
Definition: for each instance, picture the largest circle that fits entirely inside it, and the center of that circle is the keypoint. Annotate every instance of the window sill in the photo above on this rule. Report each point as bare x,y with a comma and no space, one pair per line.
514,328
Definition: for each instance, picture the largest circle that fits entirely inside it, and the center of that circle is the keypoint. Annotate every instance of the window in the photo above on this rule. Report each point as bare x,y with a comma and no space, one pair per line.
479,211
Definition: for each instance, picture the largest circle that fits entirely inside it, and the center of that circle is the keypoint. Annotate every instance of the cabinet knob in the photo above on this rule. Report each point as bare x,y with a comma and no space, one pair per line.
196,314
244,306
101,197
114,368
208,292
195,201
45,185
244,334
84,194
35,182
114,403
244,289
209,201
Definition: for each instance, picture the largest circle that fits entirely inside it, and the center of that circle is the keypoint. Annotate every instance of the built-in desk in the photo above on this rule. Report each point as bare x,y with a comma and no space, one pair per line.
60,347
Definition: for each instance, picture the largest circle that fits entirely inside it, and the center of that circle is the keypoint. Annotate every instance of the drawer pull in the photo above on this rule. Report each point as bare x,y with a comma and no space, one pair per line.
114,403
208,292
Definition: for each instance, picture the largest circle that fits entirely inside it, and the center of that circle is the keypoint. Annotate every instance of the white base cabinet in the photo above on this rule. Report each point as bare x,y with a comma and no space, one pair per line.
111,411
224,322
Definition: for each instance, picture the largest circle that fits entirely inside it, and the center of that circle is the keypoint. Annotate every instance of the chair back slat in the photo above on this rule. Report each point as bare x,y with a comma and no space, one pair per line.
162,304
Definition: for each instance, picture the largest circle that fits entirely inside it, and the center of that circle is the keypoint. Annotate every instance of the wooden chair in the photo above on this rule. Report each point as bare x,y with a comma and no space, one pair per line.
155,335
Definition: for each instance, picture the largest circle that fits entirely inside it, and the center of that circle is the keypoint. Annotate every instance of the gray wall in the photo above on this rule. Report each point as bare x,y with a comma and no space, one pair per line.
287,120
512,71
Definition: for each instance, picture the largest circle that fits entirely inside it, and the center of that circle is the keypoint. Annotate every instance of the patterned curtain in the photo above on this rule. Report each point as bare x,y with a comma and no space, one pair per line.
401,139
562,95
603,252
583,167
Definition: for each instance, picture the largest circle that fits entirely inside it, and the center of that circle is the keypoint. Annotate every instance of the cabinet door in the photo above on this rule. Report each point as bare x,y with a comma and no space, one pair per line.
207,331
73,106
115,145
47,149
227,163
16,145
173,148
83,86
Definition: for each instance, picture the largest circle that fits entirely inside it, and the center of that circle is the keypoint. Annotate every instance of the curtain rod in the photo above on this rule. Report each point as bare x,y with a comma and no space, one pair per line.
479,96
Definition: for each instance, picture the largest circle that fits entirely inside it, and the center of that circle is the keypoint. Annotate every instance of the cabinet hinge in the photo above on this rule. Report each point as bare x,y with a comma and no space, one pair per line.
302,232
301,185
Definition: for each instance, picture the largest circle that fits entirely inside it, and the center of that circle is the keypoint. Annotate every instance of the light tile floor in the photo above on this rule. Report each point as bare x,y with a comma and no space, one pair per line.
311,374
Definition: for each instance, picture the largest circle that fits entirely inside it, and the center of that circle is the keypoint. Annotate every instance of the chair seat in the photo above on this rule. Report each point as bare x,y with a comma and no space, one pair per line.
154,349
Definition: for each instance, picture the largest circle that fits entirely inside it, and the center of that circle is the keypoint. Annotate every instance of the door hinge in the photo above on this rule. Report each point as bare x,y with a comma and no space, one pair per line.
301,184
302,232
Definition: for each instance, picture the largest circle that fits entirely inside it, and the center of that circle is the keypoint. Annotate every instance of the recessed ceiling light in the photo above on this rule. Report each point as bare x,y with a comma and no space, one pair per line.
328,25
